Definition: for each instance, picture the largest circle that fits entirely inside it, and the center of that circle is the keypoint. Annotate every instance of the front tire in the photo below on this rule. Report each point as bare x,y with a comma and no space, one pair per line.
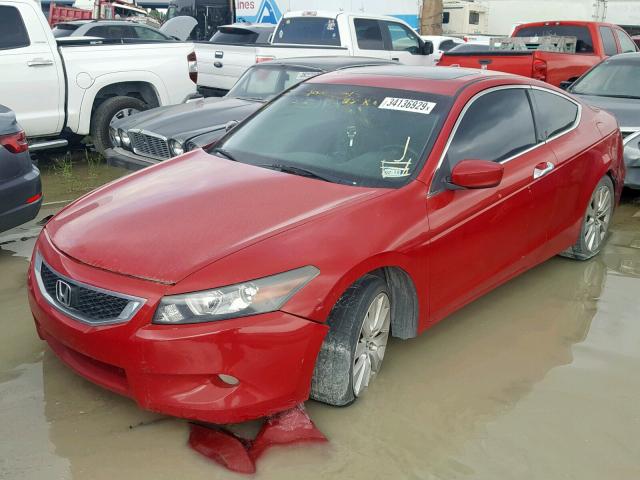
595,224
109,111
353,350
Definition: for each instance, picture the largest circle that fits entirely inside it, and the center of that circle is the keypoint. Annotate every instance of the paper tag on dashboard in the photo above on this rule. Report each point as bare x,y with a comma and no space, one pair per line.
407,105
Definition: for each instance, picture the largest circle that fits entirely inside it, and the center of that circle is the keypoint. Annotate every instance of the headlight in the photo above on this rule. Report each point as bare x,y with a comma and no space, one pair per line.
176,148
114,136
632,150
248,298
124,138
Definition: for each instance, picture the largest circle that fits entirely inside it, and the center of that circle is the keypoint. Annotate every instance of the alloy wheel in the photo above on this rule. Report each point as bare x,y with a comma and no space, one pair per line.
372,343
125,112
598,218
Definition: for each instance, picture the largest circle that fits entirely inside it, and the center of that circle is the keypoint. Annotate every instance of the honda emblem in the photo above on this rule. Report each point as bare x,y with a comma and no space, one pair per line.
63,293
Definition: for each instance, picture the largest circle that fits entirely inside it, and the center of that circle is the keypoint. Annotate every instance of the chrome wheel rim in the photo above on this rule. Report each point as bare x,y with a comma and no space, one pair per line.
120,114
598,218
372,343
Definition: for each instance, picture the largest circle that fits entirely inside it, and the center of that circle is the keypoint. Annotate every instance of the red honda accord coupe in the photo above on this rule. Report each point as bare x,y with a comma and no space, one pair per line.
233,283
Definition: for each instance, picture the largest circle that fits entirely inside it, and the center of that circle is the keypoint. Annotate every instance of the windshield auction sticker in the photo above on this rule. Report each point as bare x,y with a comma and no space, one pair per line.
407,105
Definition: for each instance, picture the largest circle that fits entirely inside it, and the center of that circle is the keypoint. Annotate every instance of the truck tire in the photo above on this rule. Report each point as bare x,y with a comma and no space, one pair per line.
595,224
353,350
108,111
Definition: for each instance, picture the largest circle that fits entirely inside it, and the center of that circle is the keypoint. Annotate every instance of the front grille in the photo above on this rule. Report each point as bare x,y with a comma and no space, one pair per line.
149,145
86,303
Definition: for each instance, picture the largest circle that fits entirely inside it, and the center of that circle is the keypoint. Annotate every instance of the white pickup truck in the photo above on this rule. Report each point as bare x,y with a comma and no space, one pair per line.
311,34
60,92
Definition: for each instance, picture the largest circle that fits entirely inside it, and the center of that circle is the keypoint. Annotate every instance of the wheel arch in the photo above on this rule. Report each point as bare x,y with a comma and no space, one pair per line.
403,282
146,87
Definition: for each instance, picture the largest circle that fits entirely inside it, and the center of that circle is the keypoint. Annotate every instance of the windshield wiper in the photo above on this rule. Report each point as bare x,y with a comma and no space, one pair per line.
303,172
224,153
253,99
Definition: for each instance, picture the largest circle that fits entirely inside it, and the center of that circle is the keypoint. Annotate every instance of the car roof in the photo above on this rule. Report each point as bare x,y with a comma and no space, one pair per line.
103,22
253,27
440,80
330,63
633,57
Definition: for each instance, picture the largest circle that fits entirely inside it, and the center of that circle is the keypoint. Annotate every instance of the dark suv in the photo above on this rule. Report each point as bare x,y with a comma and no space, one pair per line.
20,187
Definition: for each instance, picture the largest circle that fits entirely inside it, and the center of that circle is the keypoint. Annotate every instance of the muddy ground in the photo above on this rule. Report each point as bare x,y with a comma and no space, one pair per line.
537,380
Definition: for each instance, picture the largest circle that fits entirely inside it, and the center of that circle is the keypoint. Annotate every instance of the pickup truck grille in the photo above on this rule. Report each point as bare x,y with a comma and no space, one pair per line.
88,304
149,145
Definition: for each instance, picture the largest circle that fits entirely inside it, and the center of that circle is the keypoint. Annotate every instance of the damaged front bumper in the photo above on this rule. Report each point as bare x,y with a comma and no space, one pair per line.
175,370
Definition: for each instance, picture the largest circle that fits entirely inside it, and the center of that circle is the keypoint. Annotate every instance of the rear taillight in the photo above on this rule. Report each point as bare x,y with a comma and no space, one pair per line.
193,67
264,58
539,70
34,199
15,142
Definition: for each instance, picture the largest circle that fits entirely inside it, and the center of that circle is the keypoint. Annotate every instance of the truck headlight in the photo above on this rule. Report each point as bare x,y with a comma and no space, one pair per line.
124,138
632,150
114,136
263,295
176,148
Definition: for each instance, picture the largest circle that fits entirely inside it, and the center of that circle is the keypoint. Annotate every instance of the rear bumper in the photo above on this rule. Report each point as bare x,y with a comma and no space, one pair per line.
119,157
174,369
14,210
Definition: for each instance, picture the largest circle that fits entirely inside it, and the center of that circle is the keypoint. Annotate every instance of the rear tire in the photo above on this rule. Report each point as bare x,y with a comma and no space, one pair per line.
354,348
110,110
595,224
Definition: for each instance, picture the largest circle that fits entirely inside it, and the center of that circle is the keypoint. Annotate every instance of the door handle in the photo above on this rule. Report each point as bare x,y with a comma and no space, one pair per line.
219,54
395,59
542,169
39,62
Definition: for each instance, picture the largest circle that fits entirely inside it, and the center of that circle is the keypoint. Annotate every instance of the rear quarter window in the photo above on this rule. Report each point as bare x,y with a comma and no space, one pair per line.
13,33
308,31
584,42
235,37
555,114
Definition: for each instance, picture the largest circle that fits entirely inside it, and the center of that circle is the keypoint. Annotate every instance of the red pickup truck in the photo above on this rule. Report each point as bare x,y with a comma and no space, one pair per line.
594,41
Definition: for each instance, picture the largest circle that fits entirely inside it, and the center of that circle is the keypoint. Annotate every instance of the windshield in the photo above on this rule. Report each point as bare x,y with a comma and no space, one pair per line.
374,137
308,31
584,44
264,82
611,79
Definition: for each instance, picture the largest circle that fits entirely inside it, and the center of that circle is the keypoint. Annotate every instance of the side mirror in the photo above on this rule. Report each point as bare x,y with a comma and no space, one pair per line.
230,125
476,174
427,48
566,84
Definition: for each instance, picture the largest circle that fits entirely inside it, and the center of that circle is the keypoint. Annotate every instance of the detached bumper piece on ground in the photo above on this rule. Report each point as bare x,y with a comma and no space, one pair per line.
239,454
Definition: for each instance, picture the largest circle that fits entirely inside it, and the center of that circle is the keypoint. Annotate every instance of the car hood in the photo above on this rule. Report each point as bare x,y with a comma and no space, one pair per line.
188,119
170,220
626,110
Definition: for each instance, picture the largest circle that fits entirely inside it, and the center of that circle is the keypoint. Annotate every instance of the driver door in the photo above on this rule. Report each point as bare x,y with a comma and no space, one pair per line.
480,238
404,44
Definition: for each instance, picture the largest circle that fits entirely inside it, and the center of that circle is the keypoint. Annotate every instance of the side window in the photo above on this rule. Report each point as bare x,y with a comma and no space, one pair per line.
403,39
447,45
608,41
554,113
13,33
112,32
626,44
497,126
368,34
148,34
